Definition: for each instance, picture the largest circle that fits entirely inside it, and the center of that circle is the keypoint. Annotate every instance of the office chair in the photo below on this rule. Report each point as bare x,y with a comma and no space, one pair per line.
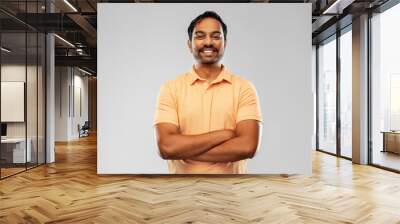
84,130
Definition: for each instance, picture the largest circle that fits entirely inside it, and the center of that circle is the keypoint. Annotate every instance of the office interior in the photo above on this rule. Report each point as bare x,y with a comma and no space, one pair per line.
48,84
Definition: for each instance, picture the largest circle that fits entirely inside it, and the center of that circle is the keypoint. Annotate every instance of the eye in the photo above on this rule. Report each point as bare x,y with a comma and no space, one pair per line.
199,36
216,36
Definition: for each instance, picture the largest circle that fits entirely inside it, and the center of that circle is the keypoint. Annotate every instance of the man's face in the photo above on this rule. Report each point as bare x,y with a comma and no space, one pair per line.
207,44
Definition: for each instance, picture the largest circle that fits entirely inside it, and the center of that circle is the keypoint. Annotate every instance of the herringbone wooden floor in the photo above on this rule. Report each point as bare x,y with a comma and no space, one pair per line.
70,191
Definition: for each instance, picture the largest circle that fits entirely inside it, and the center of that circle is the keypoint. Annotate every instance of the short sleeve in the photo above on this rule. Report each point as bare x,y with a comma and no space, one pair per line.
166,110
249,106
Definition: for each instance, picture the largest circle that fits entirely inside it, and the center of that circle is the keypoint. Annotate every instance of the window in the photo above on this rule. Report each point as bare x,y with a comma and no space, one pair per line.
346,93
385,88
327,96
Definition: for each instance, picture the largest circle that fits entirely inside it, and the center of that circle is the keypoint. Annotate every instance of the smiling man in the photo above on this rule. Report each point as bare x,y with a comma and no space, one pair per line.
207,120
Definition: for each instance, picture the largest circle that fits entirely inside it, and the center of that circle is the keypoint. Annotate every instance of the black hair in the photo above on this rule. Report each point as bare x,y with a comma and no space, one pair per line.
206,14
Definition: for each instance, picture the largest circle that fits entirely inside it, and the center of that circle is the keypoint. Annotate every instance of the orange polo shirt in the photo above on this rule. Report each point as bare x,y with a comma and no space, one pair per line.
198,107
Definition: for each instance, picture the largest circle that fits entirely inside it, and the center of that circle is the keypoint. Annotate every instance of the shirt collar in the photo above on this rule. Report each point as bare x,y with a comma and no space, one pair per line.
223,75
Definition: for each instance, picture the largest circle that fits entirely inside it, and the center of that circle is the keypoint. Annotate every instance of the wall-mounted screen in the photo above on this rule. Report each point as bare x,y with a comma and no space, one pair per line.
12,101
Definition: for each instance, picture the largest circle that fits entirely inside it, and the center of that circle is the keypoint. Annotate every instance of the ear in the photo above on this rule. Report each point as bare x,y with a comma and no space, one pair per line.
225,42
189,45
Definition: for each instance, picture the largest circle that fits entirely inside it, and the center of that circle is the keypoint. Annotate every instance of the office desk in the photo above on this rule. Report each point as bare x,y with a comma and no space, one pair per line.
13,150
391,141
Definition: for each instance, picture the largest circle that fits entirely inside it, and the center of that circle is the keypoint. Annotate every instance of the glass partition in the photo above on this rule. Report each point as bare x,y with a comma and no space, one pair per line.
41,97
22,88
14,153
32,95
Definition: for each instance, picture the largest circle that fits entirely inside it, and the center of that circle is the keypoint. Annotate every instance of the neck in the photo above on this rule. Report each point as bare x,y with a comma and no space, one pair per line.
208,71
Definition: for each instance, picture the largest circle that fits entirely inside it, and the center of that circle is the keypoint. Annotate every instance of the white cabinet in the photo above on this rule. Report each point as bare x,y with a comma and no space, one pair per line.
18,149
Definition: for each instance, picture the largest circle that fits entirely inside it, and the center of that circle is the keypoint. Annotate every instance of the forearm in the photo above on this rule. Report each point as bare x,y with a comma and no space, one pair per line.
178,146
235,149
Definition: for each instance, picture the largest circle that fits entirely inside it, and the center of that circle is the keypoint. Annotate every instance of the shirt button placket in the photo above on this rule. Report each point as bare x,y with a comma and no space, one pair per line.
204,106
208,104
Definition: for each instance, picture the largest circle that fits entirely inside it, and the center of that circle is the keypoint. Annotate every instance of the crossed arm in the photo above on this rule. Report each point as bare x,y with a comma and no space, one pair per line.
215,146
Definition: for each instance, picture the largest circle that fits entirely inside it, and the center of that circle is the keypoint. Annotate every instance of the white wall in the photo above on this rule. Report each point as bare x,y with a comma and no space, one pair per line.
68,81
61,103
140,46
79,117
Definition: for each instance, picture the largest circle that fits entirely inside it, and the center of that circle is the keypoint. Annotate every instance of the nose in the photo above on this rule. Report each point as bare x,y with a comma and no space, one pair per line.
207,41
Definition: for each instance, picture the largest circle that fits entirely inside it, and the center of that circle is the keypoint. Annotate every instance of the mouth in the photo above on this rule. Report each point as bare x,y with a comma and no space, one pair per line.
208,52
